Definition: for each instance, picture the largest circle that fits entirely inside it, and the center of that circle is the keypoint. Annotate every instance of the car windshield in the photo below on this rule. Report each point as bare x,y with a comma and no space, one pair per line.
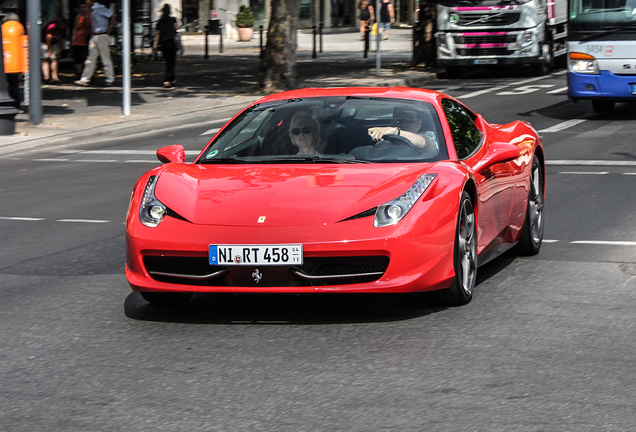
331,130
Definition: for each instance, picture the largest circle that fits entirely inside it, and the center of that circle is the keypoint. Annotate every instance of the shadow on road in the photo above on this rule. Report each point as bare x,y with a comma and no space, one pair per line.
306,309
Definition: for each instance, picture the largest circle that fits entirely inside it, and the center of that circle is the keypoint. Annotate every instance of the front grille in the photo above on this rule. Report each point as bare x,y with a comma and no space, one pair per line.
478,52
470,39
497,19
318,271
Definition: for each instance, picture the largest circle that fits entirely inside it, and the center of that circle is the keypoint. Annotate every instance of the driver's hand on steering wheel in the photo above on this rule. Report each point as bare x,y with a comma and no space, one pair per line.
378,132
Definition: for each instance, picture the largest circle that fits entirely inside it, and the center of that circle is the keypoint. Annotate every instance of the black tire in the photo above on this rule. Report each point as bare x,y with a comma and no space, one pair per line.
166,299
547,63
464,257
602,106
532,233
453,72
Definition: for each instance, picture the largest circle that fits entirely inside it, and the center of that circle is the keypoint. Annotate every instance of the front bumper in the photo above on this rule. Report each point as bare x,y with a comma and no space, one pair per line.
401,258
606,85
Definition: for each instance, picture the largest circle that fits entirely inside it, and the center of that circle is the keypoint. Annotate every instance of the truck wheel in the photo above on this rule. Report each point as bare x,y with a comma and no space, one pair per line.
547,63
453,72
602,106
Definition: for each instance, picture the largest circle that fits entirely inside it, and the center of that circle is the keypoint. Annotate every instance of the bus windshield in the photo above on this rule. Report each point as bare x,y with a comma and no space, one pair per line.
600,18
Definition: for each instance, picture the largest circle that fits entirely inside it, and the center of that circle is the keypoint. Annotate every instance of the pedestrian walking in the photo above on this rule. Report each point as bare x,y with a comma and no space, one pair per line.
387,17
53,35
165,40
103,22
366,15
82,31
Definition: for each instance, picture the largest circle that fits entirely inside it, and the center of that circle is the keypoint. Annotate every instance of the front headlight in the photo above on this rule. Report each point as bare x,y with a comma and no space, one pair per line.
583,63
393,211
151,211
527,39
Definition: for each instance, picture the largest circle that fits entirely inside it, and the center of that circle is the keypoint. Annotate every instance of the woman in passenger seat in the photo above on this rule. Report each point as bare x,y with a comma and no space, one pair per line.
304,131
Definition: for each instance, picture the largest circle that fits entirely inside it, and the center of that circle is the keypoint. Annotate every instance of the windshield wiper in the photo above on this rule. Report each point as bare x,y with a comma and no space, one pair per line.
608,31
313,159
222,160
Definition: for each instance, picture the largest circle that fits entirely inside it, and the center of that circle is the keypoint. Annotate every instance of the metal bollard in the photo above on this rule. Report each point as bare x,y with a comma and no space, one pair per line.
320,35
207,32
260,29
220,38
367,35
313,55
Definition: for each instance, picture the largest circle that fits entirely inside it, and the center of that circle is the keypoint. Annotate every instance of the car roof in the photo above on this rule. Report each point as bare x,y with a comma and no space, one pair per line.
386,92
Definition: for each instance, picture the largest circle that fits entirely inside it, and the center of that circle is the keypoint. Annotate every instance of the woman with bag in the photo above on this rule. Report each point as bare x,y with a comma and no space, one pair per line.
366,14
165,40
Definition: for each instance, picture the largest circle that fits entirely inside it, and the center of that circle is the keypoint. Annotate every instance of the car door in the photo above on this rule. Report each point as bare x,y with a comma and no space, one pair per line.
495,184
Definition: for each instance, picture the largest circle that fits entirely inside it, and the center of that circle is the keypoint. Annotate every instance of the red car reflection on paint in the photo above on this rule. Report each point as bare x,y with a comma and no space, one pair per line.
351,190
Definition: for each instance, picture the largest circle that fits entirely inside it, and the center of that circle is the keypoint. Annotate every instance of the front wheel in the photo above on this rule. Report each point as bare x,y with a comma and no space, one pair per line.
465,256
532,233
602,106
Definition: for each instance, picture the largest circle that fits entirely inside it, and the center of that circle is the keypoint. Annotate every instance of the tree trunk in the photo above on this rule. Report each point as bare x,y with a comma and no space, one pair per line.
278,66
424,44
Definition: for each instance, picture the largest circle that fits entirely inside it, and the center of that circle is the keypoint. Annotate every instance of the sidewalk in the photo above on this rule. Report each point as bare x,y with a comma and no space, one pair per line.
221,85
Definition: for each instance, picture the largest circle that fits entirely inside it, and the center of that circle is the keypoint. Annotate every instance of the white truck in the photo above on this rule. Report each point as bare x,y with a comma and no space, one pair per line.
472,33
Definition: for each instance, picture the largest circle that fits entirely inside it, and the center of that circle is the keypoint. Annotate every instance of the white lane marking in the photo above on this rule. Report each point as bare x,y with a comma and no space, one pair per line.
51,160
83,220
142,161
480,92
518,83
211,131
585,172
609,243
17,218
630,174
559,90
524,89
590,163
601,132
562,126
101,221
96,160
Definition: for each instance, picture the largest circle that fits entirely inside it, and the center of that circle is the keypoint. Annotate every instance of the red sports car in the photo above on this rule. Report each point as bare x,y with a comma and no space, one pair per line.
349,190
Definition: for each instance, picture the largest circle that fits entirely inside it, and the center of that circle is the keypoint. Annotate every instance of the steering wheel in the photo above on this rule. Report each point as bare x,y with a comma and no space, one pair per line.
398,139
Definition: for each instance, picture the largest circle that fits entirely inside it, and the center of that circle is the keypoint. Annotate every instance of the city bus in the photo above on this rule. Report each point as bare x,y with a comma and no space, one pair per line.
602,52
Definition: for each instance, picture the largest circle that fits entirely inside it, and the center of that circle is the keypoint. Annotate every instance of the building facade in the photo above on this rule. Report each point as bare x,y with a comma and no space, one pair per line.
193,15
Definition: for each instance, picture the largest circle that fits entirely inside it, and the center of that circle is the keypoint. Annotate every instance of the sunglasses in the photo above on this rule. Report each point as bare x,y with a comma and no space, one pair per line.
306,130
405,120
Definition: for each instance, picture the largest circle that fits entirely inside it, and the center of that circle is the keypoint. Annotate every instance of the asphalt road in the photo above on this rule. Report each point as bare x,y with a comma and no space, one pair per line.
546,345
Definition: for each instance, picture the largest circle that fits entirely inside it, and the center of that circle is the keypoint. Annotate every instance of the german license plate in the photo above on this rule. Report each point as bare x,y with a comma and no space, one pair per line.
485,61
281,254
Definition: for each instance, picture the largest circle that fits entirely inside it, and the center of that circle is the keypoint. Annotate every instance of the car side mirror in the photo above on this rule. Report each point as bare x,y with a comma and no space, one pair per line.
497,152
172,153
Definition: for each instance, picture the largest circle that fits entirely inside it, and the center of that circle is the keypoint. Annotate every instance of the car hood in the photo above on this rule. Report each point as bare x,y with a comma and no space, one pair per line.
280,195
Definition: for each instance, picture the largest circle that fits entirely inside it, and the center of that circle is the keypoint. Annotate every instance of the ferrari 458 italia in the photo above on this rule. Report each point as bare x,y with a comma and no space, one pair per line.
350,190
